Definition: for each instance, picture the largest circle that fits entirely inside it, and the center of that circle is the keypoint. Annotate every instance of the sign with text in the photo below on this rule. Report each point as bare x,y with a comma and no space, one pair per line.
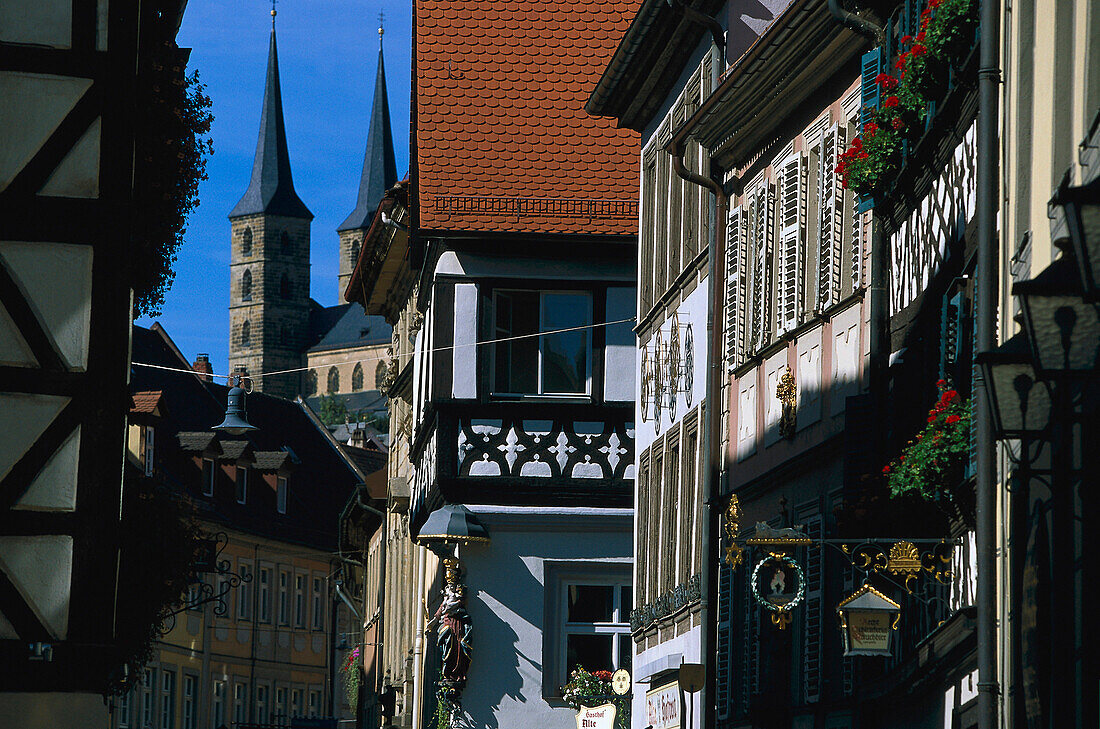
662,707
596,717
869,631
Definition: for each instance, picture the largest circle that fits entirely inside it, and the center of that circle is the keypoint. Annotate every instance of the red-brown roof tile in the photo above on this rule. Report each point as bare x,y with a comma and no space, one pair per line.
503,141
146,402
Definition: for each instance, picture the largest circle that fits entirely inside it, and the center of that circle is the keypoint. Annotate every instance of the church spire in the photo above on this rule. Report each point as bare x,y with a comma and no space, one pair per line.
271,189
379,167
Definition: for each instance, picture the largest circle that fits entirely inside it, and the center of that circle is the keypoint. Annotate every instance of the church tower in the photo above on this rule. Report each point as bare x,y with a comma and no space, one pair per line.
379,175
269,263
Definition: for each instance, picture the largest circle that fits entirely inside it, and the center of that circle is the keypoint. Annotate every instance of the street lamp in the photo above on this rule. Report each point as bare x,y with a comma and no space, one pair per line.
1063,328
236,421
1079,207
1019,403
868,620
451,523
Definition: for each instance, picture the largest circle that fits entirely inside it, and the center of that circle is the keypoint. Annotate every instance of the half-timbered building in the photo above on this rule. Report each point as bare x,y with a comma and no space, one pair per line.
70,79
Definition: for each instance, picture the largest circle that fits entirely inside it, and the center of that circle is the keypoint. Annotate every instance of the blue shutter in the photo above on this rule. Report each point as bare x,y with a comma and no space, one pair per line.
871,66
723,664
814,615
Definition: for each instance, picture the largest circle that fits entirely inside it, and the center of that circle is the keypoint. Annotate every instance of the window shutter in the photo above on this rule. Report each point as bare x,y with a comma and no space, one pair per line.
763,225
831,207
723,665
790,241
750,642
736,259
871,66
857,238
811,658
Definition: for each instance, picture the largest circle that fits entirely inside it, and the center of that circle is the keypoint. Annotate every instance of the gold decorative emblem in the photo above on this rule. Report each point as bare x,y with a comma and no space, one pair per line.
786,392
904,559
732,524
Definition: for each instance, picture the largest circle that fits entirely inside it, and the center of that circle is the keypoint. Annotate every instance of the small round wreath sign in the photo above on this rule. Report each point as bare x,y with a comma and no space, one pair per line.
778,583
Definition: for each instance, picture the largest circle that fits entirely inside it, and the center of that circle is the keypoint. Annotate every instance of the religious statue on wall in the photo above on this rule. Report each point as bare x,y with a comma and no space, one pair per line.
452,625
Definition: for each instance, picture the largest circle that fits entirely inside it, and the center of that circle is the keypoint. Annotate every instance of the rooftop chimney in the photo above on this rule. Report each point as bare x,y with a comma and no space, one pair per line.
202,367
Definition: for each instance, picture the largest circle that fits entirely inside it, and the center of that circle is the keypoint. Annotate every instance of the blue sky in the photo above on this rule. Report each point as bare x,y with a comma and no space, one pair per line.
328,51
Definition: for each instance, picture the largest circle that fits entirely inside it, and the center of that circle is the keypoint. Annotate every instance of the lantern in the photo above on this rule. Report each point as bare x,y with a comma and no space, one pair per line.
868,620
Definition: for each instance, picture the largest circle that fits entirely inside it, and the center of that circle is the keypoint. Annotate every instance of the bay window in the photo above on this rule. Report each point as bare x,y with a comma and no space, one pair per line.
525,363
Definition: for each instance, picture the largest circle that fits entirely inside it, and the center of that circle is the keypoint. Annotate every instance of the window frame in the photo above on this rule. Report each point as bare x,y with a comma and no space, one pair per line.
317,602
167,698
208,476
149,450
217,701
300,606
263,607
189,701
558,576
244,594
590,296
282,487
283,611
241,484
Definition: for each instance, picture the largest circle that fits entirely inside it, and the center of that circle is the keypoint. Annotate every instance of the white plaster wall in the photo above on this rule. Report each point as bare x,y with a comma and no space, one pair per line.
464,353
693,310
620,357
687,645
505,583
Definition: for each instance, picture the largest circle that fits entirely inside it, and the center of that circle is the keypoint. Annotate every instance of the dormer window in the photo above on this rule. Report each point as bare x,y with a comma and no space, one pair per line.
208,477
280,495
148,451
242,485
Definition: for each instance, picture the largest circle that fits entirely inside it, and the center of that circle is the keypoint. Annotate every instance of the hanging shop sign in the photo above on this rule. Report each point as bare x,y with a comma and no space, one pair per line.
868,620
620,682
596,717
778,584
662,707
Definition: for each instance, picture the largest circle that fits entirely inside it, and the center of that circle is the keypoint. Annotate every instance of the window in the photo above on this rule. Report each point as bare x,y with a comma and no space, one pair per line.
265,595
318,604
148,677
189,716
246,242
246,285
246,334
123,711
380,375
556,364
194,593
588,608
299,601
242,485
217,704
357,377
314,704
149,443
689,493
333,380
284,598
207,477
167,699
296,702
240,702
244,592
669,517
261,704
280,495
284,287
280,702
356,246
311,382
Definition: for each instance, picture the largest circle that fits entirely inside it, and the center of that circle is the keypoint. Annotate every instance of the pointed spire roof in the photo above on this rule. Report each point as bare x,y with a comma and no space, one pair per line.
379,167
271,189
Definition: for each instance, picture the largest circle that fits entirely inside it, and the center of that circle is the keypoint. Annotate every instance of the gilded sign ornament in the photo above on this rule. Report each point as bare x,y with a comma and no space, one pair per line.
732,524
786,392
778,584
904,559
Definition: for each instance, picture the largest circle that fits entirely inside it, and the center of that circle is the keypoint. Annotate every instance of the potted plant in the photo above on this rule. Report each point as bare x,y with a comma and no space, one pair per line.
933,464
593,689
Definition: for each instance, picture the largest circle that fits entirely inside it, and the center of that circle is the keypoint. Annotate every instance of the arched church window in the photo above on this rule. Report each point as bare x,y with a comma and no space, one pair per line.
246,242
333,380
356,246
246,286
357,377
246,334
284,287
380,375
284,242
311,382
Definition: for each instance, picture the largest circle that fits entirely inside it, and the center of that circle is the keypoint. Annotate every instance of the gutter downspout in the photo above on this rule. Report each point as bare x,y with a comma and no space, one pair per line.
380,630
717,32
712,433
418,643
987,290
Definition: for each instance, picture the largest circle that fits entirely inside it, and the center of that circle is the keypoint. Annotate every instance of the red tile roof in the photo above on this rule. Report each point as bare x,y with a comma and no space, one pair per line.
146,402
503,141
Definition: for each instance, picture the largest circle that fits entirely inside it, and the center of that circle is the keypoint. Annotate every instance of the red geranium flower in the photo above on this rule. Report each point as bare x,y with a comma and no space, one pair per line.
602,675
897,124
952,419
941,383
891,102
906,40
920,37
919,50
886,469
931,418
870,128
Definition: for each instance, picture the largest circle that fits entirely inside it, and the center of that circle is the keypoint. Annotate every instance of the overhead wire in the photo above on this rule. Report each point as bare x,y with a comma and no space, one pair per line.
403,354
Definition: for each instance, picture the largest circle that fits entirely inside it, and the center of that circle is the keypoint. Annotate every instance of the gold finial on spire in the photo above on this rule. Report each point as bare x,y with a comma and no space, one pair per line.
273,13
381,22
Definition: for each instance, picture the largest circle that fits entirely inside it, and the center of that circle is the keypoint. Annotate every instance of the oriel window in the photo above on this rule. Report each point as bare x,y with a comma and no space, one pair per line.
532,362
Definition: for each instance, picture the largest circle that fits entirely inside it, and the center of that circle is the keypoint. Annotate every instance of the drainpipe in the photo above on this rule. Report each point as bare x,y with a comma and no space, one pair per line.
418,643
986,283
858,24
712,433
717,33
380,623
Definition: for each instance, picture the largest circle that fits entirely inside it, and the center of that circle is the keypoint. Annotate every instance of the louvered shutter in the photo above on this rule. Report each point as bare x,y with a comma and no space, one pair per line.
852,204
830,218
736,259
811,641
791,173
724,650
763,226
750,643
871,66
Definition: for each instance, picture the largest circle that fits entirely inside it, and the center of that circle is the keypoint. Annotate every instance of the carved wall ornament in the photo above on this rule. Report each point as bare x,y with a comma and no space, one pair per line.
786,392
778,584
453,627
732,525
